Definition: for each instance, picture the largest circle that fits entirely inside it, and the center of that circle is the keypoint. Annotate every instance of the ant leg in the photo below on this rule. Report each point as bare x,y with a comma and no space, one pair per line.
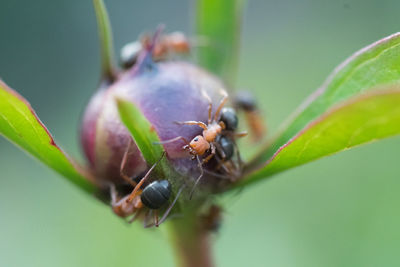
114,194
239,158
172,140
220,150
204,93
160,28
147,218
156,218
221,164
241,134
207,159
135,216
170,206
137,187
198,123
123,163
211,154
118,206
198,178
221,104
222,176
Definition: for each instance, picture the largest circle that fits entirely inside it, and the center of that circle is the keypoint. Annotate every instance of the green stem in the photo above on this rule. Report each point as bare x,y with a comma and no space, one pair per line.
191,242
106,41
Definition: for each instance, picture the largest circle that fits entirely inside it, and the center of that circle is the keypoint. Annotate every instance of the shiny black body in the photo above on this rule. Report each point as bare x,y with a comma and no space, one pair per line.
245,101
130,54
156,194
227,146
229,118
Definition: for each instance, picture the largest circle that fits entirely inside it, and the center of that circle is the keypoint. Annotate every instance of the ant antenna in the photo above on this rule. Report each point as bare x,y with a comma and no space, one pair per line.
123,163
221,104
206,96
137,187
145,56
239,158
171,141
222,176
200,41
198,178
164,217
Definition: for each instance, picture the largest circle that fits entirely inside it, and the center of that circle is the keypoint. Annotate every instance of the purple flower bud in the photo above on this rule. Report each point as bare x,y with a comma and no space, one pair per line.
166,93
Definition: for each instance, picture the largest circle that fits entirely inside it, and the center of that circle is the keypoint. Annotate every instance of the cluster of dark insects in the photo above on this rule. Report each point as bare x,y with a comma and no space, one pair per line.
217,143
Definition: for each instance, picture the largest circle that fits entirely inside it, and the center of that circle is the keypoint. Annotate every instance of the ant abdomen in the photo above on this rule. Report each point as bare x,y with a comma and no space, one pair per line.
156,194
229,118
227,147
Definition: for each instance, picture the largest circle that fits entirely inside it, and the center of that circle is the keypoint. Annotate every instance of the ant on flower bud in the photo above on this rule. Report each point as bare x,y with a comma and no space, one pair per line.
152,196
245,102
213,140
167,45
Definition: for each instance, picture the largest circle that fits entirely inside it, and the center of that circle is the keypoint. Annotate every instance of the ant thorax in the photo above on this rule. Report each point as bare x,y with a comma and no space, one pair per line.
125,208
212,131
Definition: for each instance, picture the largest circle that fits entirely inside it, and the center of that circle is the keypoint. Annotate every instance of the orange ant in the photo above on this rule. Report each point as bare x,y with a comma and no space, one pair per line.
152,196
172,43
207,142
211,220
175,42
245,101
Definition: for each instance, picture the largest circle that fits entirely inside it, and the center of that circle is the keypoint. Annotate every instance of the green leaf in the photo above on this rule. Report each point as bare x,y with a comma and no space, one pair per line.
218,32
371,67
142,131
106,40
365,118
20,124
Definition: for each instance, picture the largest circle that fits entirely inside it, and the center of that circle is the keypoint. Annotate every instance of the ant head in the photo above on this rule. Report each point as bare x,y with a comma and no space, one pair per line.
199,145
179,42
245,100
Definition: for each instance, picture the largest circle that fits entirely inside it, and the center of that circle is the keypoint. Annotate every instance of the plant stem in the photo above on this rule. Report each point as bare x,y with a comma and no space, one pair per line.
106,41
191,242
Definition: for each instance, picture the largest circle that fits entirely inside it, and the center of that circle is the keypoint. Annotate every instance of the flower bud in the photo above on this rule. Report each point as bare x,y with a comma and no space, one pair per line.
166,93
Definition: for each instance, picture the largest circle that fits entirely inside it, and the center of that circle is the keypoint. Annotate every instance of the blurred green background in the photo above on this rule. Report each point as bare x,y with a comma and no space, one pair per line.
338,211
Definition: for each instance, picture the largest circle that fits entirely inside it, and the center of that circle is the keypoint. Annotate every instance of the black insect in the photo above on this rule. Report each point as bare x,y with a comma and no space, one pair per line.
156,194
246,102
229,118
166,45
211,221
153,196
226,147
